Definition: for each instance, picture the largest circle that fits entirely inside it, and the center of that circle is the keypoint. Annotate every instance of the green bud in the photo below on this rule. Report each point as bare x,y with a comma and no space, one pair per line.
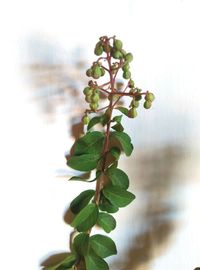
87,91
132,113
95,98
118,44
149,97
135,103
131,83
129,57
98,50
138,97
123,52
89,72
147,104
94,106
117,54
126,67
85,119
102,72
88,99
96,72
127,74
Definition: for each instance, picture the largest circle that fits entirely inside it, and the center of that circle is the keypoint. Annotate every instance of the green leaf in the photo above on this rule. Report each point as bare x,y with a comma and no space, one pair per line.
118,177
90,143
83,163
117,118
81,244
67,263
118,196
81,200
115,152
107,222
124,140
118,127
95,120
102,245
123,110
95,263
86,218
106,205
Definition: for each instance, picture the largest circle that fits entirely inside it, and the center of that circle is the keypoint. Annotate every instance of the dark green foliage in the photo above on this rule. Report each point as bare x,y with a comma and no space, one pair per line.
81,200
86,218
65,264
124,140
94,262
118,178
81,244
102,245
107,222
118,196
86,162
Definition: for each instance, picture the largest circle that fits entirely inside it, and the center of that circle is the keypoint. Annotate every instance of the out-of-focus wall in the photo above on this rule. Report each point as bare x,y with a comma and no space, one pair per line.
45,48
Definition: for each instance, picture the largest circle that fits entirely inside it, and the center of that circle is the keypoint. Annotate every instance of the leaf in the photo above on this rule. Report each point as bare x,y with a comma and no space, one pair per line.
95,263
81,244
117,118
118,196
123,110
118,177
102,245
86,218
67,263
81,200
95,120
124,140
107,222
115,152
107,206
90,143
83,163
118,127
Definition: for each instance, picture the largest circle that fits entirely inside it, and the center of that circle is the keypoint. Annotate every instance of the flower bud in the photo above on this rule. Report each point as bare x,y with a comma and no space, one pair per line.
147,104
98,50
132,113
87,91
94,106
149,97
89,72
95,98
126,67
135,103
127,74
85,119
117,54
129,57
118,44
131,83
96,72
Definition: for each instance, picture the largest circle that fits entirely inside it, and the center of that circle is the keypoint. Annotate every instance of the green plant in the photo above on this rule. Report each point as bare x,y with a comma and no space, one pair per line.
100,151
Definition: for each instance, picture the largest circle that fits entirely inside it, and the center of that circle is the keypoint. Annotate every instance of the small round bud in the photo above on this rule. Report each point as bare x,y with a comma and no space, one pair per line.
117,54
89,72
96,72
138,97
98,50
94,106
85,119
123,52
132,113
149,97
118,44
127,74
147,104
87,91
135,103
88,99
128,57
131,83
95,98
126,67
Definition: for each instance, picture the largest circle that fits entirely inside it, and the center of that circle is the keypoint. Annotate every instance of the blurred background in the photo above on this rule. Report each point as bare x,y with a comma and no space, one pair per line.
45,48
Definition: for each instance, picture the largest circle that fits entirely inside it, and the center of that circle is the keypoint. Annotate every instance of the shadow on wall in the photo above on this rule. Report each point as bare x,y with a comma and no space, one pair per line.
156,175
